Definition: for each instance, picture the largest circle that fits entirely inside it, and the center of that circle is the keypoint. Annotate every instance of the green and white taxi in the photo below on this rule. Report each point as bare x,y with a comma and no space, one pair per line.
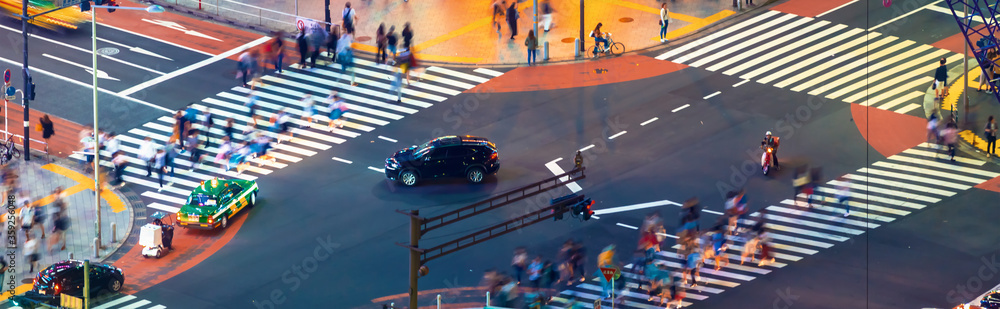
215,201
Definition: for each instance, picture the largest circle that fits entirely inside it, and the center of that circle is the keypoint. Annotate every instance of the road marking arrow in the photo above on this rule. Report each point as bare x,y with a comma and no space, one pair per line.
100,74
178,27
135,49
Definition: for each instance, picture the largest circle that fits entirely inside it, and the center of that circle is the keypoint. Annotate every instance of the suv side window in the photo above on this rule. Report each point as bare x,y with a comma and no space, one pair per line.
438,153
461,152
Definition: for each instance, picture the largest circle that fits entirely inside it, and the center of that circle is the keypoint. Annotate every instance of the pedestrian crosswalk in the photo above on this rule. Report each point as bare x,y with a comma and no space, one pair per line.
881,193
127,302
821,58
372,104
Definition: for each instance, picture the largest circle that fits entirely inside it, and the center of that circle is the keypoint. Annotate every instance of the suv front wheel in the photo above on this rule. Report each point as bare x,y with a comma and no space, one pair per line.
408,178
475,175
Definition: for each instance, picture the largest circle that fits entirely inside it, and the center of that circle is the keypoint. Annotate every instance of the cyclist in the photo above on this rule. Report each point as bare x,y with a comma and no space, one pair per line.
600,37
773,142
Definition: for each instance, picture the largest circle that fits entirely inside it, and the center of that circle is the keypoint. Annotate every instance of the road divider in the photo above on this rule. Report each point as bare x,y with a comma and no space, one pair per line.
644,123
617,134
680,108
342,160
387,139
588,147
712,95
377,169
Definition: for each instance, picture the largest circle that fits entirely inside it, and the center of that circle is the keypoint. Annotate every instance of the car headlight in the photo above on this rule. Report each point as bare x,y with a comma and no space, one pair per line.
392,164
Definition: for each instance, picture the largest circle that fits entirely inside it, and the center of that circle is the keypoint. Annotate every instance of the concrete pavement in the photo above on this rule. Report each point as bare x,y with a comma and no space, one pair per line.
462,31
981,106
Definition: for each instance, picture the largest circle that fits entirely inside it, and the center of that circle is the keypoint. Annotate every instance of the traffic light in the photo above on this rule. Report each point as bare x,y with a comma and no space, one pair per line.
560,204
84,6
583,208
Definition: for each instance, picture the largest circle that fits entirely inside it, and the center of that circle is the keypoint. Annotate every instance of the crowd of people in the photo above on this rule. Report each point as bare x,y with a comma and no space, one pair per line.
37,220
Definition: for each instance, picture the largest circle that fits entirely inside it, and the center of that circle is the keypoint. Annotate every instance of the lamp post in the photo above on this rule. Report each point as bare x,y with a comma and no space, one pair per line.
97,156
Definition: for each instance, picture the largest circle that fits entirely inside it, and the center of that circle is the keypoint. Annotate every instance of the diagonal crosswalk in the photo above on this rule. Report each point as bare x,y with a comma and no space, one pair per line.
128,302
881,193
821,58
372,105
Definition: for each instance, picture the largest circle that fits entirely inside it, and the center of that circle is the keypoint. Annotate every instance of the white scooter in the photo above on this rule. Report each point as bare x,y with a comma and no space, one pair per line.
156,237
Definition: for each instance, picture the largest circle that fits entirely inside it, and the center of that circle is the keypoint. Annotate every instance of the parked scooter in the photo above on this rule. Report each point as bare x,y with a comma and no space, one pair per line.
156,237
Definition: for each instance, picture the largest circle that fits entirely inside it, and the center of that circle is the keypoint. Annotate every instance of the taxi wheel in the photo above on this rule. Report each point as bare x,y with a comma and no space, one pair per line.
225,222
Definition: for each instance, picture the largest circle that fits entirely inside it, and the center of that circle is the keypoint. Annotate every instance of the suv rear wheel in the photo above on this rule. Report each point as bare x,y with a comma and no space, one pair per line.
475,175
408,178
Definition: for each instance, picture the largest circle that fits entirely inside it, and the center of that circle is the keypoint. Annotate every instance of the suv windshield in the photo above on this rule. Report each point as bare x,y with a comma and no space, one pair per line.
422,150
202,200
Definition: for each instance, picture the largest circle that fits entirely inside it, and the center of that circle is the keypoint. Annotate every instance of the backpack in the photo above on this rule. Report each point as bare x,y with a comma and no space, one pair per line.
191,114
348,21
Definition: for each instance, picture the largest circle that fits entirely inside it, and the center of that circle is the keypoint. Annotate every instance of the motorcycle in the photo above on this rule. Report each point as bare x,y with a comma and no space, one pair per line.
156,238
766,160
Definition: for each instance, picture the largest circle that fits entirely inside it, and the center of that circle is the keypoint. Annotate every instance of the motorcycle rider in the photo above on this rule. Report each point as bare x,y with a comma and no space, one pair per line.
773,142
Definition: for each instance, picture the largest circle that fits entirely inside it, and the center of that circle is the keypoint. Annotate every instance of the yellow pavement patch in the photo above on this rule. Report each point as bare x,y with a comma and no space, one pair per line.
698,24
86,183
951,100
373,49
649,9
482,22
17,291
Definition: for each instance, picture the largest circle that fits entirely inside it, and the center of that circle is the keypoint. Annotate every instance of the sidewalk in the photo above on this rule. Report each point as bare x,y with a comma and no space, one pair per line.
981,106
462,31
40,177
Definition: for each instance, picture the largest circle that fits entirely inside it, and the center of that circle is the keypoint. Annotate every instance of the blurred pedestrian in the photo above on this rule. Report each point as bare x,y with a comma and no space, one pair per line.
535,272
397,82
275,50
815,180
764,238
345,57
29,218
60,221
120,162
735,207
350,18
303,44
391,41
337,109
498,7
243,66
317,37
664,22
282,122
932,129
48,130
308,109
519,262
31,251
89,148
251,105
380,44
160,164
256,71
407,35
749,2
950,137
546,14
844,194
991,136
172,150
512,16
229,130
940,80
112,144
195,148
225,148
987,79
207,122
578,258
532,43
800,181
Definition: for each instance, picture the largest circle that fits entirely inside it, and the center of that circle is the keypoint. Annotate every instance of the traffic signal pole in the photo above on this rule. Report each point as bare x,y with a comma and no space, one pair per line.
415,234
24,74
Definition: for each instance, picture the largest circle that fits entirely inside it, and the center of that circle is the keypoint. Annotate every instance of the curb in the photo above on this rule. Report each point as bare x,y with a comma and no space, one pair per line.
133,203
968,139
266,31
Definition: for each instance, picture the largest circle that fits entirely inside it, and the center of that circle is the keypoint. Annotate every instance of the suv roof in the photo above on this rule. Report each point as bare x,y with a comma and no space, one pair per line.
467,140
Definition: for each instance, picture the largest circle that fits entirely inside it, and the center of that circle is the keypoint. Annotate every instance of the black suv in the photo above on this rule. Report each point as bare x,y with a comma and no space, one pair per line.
450,156
67,277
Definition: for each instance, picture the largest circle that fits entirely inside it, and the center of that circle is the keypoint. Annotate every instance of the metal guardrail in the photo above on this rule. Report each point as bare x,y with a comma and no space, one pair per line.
21,140
242,12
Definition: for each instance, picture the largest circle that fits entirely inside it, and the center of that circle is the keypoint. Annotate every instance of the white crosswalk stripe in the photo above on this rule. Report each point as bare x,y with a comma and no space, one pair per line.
821,58
127,302
371,105
881,193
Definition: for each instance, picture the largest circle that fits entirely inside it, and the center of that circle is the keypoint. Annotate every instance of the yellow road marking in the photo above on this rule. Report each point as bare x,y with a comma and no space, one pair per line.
85,183
482,22
951,101
649,9
697,24
18,290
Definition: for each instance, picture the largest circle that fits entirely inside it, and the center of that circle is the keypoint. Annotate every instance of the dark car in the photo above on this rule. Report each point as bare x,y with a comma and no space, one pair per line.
471,157
991,300
67,277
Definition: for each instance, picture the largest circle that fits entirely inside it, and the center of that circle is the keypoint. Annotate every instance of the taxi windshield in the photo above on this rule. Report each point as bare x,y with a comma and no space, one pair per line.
201,200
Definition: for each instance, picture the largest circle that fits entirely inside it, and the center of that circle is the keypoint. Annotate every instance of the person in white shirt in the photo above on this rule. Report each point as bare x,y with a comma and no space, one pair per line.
147,150
844,193
159,163
308,109
664,21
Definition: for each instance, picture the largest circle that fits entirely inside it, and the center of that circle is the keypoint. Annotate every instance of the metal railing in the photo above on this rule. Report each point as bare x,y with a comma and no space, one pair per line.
21,139
241,12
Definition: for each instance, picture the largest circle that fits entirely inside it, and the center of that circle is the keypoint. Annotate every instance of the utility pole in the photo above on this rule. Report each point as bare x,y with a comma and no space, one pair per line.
329,19
582,40
965,73
24,74
415,223
536,19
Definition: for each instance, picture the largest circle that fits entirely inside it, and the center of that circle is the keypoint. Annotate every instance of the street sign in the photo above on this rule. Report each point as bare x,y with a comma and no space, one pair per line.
6,76
10,91
610,273
305,23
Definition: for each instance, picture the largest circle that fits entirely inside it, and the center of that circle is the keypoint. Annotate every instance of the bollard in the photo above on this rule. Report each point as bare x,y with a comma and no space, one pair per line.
487,298
545,51
114,232
439,301
576,48
97,248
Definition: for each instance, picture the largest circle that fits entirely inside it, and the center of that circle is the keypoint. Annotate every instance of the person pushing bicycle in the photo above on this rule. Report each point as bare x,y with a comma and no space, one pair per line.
600,37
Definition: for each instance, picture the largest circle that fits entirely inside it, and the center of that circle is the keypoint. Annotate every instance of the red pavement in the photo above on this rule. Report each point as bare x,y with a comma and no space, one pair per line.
889,132
584,74
808,8
991,185
63,143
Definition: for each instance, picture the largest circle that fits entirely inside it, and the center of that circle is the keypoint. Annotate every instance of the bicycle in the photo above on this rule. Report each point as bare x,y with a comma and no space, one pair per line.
613,48
9,149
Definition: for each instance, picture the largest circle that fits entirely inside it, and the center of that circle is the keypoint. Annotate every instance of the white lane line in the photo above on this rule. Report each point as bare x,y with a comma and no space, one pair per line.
648,121
712,212
100,73
899,184
168,209
908,108
917,178
342,160
865,62
951,176
626,226
155,39
617,134
924,80
667,235
488,72
712,95
680,108
585,148
900,73
554,161
377,169
813,224
836,8
89,86
134,49
889,191
741,83
717,45
387,139
634,207
192,67
904,15
945,10
88,51
594,217
556,170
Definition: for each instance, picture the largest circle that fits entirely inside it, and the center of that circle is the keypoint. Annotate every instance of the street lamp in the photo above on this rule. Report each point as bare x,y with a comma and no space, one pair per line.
97,156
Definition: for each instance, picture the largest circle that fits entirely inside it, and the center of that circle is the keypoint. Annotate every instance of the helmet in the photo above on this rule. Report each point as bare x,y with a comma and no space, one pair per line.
768,133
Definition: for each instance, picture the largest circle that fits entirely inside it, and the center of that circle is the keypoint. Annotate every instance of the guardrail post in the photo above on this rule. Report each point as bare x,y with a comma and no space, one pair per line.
576,48
216,7
260,18
114,232
487,298
71,255
97,248
439,301
545,51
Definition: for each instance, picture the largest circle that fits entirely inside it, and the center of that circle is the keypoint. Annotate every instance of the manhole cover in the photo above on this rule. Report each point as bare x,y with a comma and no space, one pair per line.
364,38
568,40
626,19
108,51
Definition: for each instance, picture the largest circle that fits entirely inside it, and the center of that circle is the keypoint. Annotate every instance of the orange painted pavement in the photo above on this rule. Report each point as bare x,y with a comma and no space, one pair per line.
133,21
584,74
991,185
808,8
889,132
190,248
